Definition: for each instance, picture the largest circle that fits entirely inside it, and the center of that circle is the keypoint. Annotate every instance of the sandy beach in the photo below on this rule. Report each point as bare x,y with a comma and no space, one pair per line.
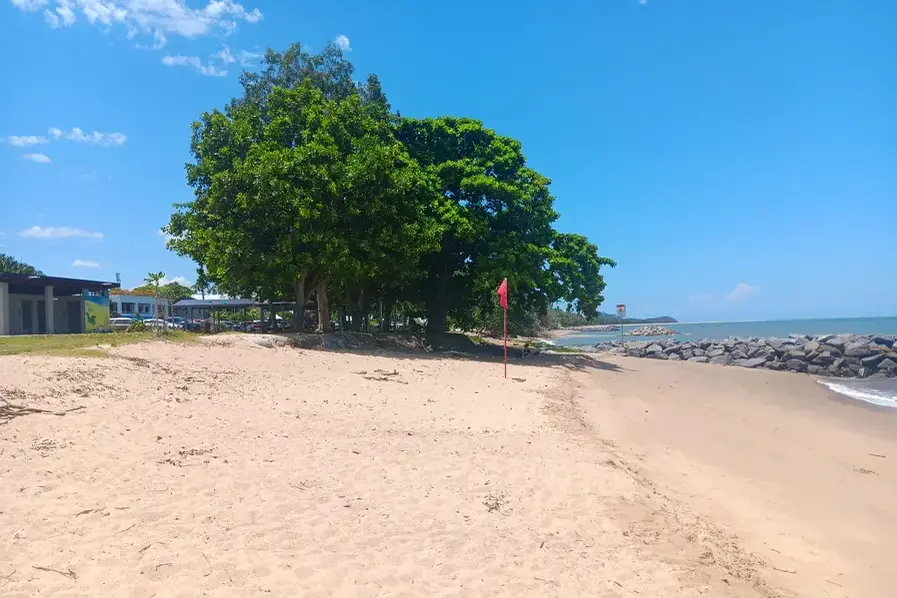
225,469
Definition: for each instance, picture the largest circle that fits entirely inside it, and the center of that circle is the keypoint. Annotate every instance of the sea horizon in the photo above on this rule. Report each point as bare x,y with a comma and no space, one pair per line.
750,321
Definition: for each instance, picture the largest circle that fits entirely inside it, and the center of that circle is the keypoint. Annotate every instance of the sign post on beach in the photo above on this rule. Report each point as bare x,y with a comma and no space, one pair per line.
503,301
621,313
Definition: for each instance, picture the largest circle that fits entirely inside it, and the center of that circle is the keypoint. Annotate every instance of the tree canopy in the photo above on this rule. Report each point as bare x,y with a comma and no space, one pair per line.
308,184
10,265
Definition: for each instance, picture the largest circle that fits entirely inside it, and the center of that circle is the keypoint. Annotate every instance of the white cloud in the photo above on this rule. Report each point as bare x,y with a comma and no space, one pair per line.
742,291
244,57
92,138
147,17
39,158
159,40
225,56
195,63
247,58
85,264
58,232
63,16
29,5
343,42
77,135
26,140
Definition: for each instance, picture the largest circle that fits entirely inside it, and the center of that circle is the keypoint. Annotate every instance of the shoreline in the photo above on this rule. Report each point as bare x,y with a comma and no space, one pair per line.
775,459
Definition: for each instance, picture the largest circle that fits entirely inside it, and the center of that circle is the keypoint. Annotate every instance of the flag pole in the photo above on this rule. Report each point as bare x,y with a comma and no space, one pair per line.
503,301
506,341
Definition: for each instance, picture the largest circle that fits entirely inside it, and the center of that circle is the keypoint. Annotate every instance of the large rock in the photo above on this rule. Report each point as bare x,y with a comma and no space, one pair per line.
716,352
839,341
651,330
853,363
700,359
888,365
884,340
873,360
751,363
723,359
861,349
811,347
738,354
674,357
653,349
823,359
777,345
699,352
796,365
816,370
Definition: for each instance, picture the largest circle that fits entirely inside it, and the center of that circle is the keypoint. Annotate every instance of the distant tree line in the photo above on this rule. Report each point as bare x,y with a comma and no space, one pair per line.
559,318
309,186
10,265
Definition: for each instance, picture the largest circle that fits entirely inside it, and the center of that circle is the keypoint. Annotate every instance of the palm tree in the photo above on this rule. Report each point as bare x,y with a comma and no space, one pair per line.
154,279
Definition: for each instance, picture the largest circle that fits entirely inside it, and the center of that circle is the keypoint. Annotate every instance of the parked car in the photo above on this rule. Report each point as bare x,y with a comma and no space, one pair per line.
120,323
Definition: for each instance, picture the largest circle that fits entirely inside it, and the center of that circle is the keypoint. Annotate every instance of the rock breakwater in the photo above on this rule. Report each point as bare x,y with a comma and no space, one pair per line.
837,355
650,331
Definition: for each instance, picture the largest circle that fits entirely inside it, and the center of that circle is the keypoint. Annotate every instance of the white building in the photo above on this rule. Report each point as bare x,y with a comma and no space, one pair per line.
135,305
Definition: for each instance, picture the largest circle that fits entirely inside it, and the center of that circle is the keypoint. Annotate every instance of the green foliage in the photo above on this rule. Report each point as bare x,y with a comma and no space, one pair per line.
173,291
137,326
307,185
10,265
301,184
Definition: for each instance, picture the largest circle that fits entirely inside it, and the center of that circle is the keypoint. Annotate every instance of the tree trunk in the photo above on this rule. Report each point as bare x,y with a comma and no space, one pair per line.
299,310
272,323
437,310
323,309
386,317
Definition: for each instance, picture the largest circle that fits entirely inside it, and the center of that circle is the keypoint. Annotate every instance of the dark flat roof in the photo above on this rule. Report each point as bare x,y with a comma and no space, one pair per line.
57,281
215,303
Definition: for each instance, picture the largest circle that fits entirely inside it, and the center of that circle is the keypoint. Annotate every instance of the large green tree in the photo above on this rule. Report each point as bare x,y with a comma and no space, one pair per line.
496,215
10,265
301,184
308,184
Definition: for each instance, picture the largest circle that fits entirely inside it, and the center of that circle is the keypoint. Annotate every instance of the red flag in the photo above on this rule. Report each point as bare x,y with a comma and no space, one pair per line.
503,294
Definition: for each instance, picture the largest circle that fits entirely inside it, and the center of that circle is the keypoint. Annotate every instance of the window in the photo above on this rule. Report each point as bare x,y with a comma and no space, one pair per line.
127,308
144,308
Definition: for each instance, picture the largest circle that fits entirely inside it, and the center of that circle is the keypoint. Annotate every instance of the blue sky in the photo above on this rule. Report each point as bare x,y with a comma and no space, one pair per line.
738,159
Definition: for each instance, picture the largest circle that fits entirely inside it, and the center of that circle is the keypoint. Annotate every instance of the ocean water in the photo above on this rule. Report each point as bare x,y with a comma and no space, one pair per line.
876,392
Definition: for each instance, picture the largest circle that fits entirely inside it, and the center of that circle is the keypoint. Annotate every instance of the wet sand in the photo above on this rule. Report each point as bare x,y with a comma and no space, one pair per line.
803,476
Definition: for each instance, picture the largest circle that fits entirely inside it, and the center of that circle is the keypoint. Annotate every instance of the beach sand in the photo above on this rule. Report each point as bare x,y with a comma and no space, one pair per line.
233,470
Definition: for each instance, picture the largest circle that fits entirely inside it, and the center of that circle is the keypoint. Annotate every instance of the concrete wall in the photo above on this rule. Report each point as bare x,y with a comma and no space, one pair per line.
61,308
